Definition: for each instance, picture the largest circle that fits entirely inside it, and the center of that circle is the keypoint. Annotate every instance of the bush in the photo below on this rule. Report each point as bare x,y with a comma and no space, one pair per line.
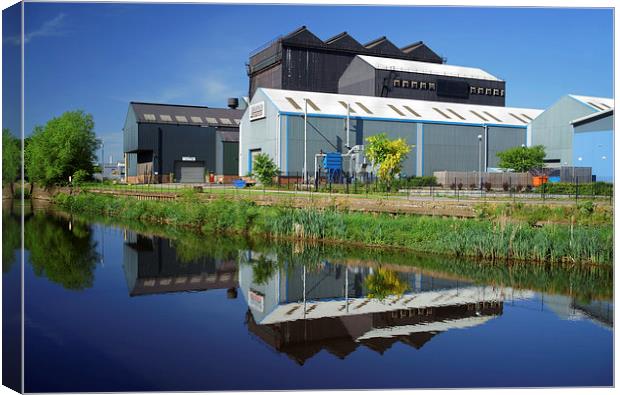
79,177
487,186
264,169
505,186
472,186
460,185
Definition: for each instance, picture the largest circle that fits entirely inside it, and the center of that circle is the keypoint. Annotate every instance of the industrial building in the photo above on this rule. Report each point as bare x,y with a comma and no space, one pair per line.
302,61
553,128
447,136
593,144
410,79
179,143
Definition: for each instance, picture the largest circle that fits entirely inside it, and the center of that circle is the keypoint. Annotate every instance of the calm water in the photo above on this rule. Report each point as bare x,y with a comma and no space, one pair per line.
111,309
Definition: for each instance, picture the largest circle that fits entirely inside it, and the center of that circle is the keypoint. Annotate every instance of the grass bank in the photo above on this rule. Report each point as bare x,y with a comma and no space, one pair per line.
477,238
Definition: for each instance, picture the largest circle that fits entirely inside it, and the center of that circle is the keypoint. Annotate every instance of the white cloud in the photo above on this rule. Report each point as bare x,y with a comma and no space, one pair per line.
47,29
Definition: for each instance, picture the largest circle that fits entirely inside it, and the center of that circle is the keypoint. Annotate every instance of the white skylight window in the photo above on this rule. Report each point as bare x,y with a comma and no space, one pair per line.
181,118
196,119
225,121
149,117
211,120
165,118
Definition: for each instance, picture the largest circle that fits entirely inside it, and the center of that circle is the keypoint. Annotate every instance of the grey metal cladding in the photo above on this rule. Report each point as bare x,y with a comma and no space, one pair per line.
500,139
197,141
329,135
181,110
553,130
358,79
450,147
130,132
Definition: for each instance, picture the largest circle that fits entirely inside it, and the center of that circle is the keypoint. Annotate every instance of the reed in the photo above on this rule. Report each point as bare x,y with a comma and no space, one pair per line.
488,239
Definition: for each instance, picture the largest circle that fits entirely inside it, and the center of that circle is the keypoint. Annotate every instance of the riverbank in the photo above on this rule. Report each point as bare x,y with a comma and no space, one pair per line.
482,238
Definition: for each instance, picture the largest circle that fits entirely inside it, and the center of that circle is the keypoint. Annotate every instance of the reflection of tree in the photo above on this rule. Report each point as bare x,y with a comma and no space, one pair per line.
11,237
383,283
262,269
65,256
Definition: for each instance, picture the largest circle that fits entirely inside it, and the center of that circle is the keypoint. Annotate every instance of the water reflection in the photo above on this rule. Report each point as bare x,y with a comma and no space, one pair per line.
281,305
300,302
61,249
152,266
300,311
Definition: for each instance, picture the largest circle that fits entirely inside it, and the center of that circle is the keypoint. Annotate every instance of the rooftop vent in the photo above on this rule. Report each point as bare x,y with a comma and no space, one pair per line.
233,103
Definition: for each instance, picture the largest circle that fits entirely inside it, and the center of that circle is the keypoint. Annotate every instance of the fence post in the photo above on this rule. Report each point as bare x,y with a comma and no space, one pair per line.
576,189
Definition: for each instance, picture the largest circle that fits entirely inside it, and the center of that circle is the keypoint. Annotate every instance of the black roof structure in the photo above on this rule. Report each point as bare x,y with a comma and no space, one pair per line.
186,114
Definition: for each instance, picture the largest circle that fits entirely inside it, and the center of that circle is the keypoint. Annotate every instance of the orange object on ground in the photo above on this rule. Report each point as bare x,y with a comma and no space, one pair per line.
539,180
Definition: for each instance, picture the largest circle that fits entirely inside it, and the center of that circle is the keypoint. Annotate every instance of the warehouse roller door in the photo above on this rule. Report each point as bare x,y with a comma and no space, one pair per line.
190,172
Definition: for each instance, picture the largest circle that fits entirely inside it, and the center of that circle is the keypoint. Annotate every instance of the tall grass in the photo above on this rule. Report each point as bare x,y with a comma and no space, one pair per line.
480,238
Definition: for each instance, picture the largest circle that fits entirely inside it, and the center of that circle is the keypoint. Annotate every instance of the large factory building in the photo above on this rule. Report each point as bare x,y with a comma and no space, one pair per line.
447,136
302,61
175,143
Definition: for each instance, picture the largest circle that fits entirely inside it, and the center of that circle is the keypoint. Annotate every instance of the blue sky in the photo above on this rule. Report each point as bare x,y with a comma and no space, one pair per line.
98,57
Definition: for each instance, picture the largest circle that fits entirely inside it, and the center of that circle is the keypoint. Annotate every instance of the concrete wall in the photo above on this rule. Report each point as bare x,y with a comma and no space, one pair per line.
552,129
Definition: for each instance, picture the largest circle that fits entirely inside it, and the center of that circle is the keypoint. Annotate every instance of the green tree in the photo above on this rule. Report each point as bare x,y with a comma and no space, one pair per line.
264,169
11,158
387,156
522,159
63,146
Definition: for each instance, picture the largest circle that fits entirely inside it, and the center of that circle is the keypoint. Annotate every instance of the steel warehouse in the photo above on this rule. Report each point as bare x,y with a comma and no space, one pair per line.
447,136
593,144
553,127
176,143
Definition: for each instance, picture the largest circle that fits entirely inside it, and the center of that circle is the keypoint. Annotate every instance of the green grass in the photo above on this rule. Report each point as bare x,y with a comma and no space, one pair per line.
482,238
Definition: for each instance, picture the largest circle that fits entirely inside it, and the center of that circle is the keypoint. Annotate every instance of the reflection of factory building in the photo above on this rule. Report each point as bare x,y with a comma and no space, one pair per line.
174,143
153,266
447,136
301,311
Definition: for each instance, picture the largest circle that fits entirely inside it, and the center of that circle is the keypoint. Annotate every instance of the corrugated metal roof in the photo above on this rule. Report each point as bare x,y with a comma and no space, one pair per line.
596,103
413,66
592,117
184,114
405,109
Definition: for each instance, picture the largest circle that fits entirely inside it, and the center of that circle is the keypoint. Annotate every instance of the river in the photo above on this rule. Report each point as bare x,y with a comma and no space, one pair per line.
125,307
